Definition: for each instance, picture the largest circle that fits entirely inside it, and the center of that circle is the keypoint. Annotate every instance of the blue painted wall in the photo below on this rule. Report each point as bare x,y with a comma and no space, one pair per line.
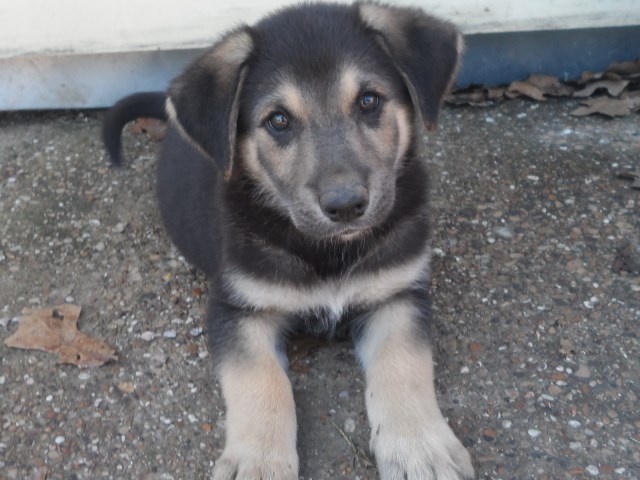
499,58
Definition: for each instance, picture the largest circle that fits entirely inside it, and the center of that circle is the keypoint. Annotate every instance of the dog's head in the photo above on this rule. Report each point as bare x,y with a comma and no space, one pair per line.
318,105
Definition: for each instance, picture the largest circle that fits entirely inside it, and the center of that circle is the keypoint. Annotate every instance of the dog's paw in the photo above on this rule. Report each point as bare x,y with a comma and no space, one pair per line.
432,453
252,464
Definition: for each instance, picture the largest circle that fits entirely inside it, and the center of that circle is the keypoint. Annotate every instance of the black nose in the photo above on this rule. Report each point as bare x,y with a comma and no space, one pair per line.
344,204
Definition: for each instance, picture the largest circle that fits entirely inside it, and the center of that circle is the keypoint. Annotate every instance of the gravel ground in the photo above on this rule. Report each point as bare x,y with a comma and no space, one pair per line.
537,315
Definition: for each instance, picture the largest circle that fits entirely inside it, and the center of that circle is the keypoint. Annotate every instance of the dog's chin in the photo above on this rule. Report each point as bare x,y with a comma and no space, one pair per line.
323,232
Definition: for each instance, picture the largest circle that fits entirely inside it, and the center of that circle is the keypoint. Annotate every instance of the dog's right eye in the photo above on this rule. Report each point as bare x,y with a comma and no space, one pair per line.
278,121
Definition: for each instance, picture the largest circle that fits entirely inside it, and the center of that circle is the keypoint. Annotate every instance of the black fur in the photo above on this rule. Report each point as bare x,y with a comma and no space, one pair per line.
143,104
214,207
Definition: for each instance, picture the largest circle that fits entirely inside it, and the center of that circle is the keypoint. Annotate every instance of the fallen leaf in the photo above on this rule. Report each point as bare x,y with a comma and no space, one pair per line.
625,69
550,85
475,98
611,107
156,129
613,87
518,88
55,330
634,176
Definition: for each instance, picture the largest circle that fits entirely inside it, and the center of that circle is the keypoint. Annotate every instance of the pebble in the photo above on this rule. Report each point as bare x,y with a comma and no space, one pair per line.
99,246
464,370
583,372
506,424
593,470
169,334
195,332
126,387
343,394
119,228
533,433
349,425
504,232
574,424
59,440
147,336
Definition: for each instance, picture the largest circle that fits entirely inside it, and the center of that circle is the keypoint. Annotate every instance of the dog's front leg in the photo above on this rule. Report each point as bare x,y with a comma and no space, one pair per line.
410,438
261,417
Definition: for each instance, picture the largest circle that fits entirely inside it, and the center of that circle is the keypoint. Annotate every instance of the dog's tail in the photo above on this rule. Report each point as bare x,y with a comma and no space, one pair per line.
138,105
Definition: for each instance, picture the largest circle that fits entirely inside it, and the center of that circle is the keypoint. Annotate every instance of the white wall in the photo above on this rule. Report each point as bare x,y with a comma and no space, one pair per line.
59,27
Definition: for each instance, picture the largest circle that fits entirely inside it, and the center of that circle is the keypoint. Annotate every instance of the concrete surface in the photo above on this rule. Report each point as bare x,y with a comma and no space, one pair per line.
537,320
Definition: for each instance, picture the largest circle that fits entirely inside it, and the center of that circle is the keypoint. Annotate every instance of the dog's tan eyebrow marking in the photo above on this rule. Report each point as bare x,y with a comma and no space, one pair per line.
288,96
353,82
349,88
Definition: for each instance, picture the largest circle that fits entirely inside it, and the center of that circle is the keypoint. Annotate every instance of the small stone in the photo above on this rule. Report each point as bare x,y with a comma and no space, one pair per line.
126,387
119,228
593,470
489,434
343,394
533,433
349,425
169,334
464,370
195,332
59,440
504,232
207,427
99,247
506,424
574,424
147,336
583,372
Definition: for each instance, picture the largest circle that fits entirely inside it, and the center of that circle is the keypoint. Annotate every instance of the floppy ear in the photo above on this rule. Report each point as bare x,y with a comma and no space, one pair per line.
426,51
203,101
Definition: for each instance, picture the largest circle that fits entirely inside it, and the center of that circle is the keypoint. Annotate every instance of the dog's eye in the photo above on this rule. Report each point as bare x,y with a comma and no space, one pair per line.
278,121
369,102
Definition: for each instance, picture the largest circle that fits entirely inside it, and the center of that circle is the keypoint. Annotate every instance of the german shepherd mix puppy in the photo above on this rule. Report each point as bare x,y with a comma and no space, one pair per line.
292,175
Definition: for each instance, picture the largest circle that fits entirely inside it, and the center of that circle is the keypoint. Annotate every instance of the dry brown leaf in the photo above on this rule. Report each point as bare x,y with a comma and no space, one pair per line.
614,87
550,85
475,98
156,129
55,330
625,69
611,107
519,88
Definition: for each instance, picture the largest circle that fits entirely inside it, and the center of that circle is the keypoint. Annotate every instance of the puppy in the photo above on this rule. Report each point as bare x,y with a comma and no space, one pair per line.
292,175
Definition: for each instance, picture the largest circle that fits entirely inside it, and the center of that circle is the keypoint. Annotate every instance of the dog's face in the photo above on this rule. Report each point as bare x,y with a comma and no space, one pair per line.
319,109
325,141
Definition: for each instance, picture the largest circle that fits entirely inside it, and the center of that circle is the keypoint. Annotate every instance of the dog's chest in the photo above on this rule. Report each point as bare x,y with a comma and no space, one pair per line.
333,297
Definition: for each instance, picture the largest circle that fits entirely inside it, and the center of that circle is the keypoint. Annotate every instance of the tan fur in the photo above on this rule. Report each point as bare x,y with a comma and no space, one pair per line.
261,417
348,88
409,436
229,55
367,289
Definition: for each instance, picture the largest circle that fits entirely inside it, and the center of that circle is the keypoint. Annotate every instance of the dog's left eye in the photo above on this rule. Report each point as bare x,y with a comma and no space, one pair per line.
279,121
369,102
